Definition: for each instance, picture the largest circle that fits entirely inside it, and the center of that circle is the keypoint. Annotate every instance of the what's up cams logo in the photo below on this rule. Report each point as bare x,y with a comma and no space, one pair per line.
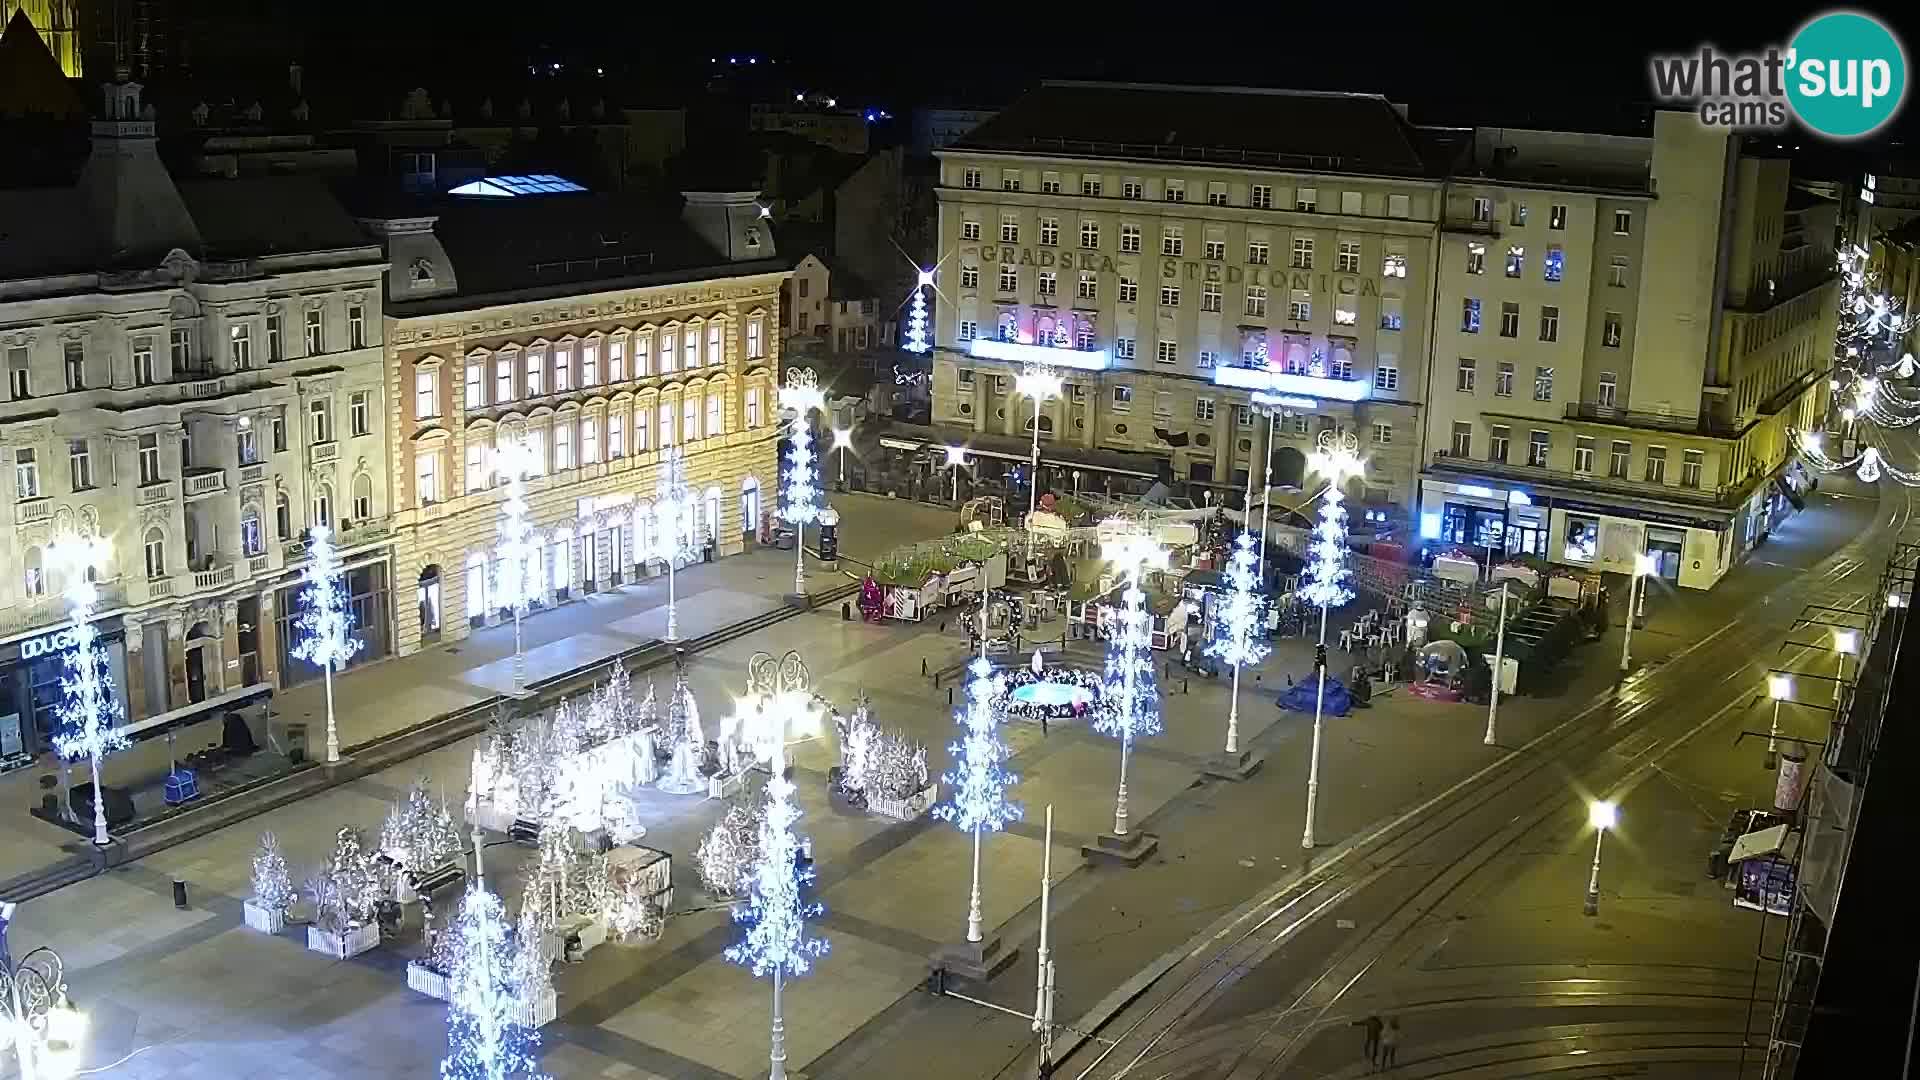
1843,76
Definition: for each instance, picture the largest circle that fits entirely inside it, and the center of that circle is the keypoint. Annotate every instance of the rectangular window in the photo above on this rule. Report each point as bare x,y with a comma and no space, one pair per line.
1203,409
1171,241
617,353
1124,348
641,418
1606,388
1394,263
1163,406
320,417
1210,296
1009,278
503,380
969,230
969,277
537,451
590,362
476,385
1692,462
970,179
1303,253
665,414
1465,377
1516,260
1169,296
426,395
1122,398
26,475
1498,437
1503,380
1556,217
80,463
1483,210
1129,290
716,423
1089,234
1386,376
476,473
19,373
589,440
1341,366
1617,271
1476,258
562,445
180,349
642,355
356,326
1392,316
1345,316
1539,445
1399,206
536,372
1258,254
1583,454
1260,197
1348,259
316,332
1049,232
1470,316
280,429
1382,434
1656,464
969,329
149,456
1462,439
756,338
1129,239
240,347
426,476
1090,186
1300,305
1350,202
616,435
1175,191
1549,323
1556,263
1009,180
1009,229
1088,287
1169,352
1622,222
689,418
1133,188
276,352
1216,193
1306,199
1257,300
1083,338
1518,214
1050,183
360,412
1214,250
1049,283
1543,384
1619,456
1509,319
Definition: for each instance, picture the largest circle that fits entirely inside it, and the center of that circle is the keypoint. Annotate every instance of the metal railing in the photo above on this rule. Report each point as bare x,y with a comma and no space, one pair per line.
1684,423
1721,495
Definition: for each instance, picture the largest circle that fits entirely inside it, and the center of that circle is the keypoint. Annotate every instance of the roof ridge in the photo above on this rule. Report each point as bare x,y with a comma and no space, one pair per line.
1221,88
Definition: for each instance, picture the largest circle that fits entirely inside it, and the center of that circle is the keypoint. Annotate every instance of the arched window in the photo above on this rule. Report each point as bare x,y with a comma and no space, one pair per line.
36,572
252,541
476,587
323,504
156,549
1009,326
362,497
750,505
282,516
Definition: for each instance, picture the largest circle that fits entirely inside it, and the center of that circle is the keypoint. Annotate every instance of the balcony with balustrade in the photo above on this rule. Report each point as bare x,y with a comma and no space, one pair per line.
1573,483
202,481
1705,424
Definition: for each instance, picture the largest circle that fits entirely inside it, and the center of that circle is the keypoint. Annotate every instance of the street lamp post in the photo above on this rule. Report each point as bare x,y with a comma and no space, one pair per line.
89,711
956,457
1779,688
1132,708
516,459
1266,490
42,1023
1642,566
843,442
800,395
1499,668
1337,460
1602,815
1038,382
1845,643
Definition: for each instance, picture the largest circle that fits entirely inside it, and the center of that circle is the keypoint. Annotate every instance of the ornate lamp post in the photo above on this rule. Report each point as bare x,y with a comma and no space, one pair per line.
1038,382
1603,815
90,712
515,460
673,526
42,1024
1642,566
1337,460
843,442
956,459
800,395
1133,706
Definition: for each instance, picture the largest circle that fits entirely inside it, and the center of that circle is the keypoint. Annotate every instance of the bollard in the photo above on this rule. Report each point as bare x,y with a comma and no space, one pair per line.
949,695
1186,686
846,612
179,894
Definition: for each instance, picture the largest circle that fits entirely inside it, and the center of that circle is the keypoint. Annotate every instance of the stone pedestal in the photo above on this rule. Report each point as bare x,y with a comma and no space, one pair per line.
976,961
1238,766
1129,850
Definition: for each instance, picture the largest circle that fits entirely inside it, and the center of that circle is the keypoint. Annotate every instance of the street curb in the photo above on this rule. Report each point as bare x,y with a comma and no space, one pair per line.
365,759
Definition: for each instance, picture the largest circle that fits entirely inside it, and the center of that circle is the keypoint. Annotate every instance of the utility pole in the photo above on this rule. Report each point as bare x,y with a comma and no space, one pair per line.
1043,974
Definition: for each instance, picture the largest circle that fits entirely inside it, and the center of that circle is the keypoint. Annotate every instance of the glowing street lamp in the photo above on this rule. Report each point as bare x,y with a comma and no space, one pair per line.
800,395
1602,815
1643,565
1132,702
1779,688
516,460
1038,382
843,442
45,1029
1845,643
956,457
1499,667
1337,460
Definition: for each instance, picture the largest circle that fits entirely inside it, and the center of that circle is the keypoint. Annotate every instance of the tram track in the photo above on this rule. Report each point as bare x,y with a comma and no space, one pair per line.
1495,807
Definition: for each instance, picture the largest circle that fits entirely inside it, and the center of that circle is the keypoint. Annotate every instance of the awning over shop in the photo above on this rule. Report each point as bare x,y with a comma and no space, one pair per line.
196,712
1763,842
1012,448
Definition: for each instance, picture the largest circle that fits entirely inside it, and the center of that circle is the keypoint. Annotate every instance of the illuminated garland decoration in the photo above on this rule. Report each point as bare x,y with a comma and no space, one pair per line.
979,778
1130,699
917,340
89,711
673,506
1238,619
1327,574
324,621
776,913
802,495
488,1037
517,587
1869,465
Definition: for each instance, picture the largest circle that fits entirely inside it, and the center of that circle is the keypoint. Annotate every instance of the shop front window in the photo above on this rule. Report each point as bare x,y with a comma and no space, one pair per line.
1583,539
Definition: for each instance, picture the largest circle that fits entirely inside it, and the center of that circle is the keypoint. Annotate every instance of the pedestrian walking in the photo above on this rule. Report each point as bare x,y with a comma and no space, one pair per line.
1043,721
1372,1024
1389,1042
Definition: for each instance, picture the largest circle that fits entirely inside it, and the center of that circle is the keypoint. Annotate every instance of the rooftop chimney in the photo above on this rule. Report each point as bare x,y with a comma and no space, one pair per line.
732,222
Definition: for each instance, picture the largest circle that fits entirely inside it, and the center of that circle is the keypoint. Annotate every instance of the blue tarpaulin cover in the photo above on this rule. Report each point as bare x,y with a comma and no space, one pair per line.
1299,696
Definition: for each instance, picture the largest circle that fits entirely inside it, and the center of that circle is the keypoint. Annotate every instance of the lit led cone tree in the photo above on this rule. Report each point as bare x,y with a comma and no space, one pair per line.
776,941
979,778
673,526
488,1035
917,339
90,715
800,492
1237,620
324,637
1130,700
1336,460
518,586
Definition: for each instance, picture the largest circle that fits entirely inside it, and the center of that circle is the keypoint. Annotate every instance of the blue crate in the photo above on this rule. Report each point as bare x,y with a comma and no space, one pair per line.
181,786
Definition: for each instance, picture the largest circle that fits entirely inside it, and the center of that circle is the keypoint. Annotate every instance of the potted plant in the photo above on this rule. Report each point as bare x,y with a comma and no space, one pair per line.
266,909
345,896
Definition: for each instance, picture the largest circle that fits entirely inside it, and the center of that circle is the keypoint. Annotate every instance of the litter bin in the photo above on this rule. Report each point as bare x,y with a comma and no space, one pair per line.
296,743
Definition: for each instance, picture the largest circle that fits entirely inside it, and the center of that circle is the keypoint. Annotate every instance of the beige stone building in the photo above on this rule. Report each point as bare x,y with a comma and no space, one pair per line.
193,374
600,331
1177,251
1625,328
